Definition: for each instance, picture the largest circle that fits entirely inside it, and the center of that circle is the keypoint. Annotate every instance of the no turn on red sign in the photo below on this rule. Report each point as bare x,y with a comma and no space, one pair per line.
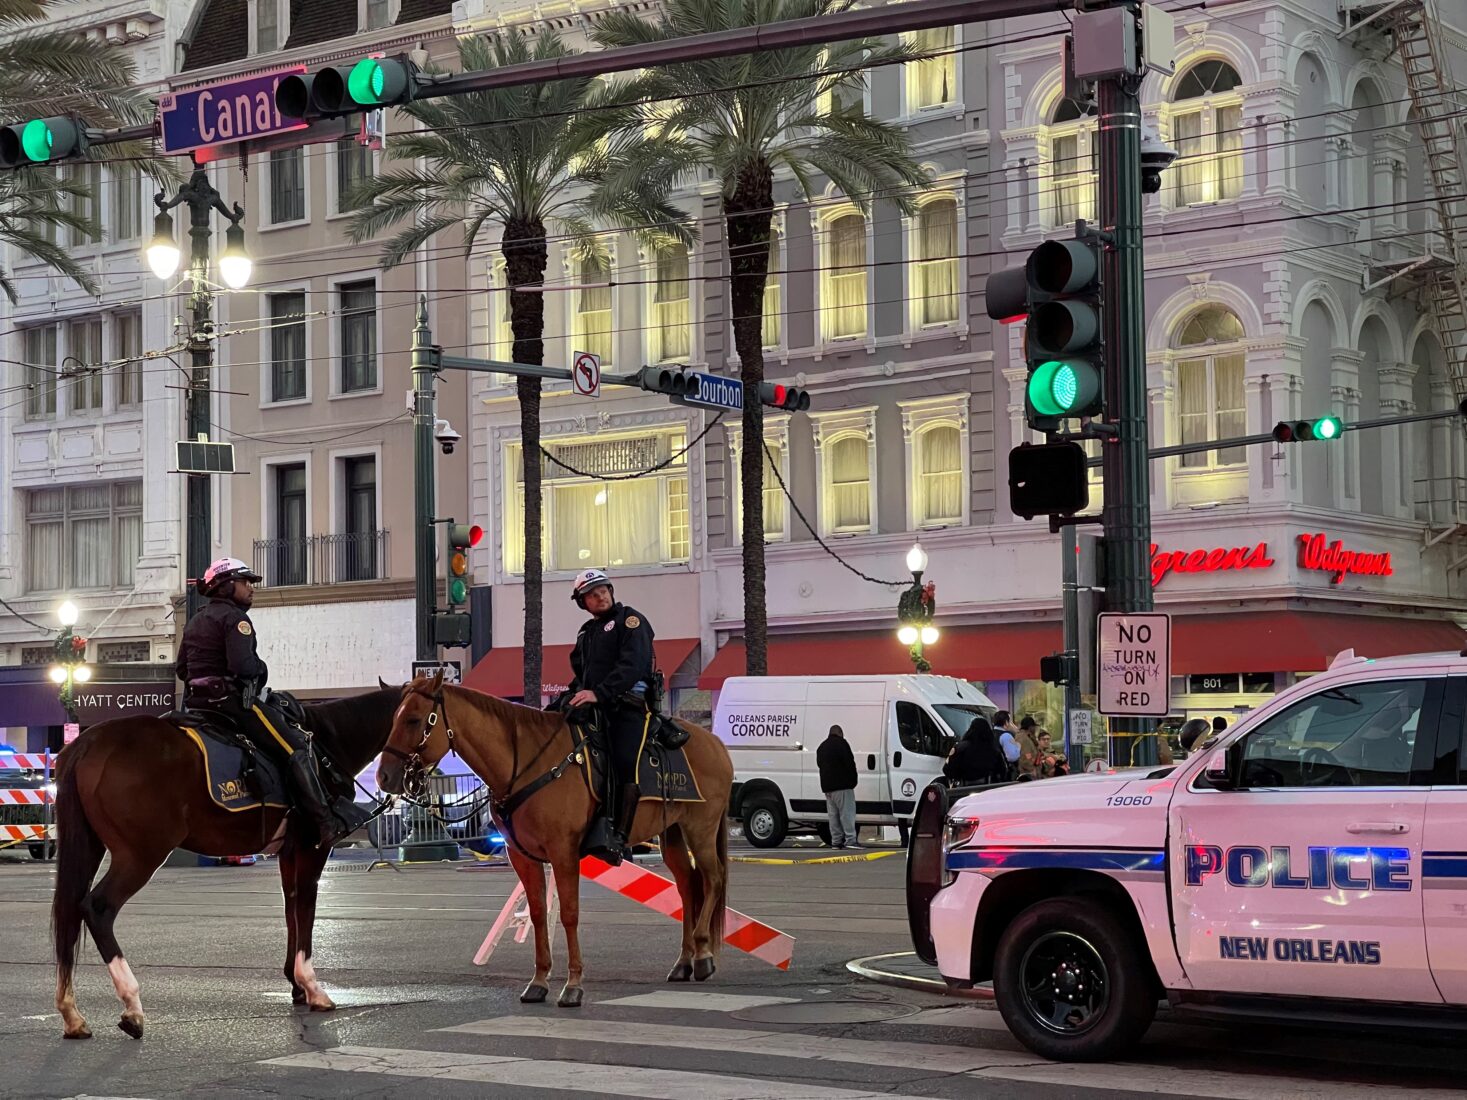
1134,653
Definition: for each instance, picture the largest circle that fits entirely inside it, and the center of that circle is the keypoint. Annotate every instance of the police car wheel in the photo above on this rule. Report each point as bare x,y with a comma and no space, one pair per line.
1071,981
765,824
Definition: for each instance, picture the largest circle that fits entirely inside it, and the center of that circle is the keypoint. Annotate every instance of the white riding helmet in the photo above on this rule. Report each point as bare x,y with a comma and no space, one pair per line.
588,579
227,569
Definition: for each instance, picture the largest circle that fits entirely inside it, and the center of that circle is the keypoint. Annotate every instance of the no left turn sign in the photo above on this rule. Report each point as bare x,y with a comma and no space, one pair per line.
586,373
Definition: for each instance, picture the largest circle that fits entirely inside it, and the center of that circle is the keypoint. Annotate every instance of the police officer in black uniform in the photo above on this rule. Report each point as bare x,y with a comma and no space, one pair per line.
222,673
613,665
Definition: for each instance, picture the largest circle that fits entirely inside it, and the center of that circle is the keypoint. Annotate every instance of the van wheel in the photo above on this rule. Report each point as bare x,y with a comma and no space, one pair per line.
765,824
1072,983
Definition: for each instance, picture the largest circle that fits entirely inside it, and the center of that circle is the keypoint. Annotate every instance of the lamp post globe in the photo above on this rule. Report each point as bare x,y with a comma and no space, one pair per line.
57,674
907,635
67,614
82,673
917,559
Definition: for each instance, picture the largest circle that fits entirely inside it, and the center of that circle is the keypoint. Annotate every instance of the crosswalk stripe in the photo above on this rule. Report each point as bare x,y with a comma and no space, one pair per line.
698,1002
762,1044
605,1080
1190,1081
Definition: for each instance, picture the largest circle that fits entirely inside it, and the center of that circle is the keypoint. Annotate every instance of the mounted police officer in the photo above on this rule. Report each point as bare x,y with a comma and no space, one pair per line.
222,673
613,665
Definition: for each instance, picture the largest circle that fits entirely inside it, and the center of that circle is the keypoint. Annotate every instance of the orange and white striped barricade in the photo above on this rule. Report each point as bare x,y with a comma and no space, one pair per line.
659,894
12,831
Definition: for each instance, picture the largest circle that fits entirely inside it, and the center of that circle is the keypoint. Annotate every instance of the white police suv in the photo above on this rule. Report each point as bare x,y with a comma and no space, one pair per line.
1310,861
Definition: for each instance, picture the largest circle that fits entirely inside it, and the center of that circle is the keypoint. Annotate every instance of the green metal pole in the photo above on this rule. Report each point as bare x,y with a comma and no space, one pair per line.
424,412
200,196
1127,512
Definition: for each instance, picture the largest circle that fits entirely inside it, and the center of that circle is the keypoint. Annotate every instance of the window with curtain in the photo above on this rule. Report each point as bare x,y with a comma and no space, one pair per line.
937,262
671,333
932,82
1072,150
84,350
40,372
593,325
845,277
287,345
1210,386
1207,132
358,335
939,487
358,552
288,565
845,93
773,326
587,521
287,185
86,203
267,26
379,15
353,168
83,536
127,208
848,484
502,332
774,503
127,347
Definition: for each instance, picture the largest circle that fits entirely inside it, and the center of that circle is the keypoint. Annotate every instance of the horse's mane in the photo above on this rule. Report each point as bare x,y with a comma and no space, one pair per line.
354,725
531,719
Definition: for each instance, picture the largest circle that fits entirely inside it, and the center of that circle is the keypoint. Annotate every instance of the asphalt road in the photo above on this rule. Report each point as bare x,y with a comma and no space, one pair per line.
417,1018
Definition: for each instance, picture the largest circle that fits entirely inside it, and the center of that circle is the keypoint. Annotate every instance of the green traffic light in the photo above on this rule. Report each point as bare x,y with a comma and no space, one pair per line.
37,140
458,591
366,82
1061,388
1329,427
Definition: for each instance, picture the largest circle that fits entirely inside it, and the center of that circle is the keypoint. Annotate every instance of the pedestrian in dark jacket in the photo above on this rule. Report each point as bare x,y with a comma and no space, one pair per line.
977,758
837,766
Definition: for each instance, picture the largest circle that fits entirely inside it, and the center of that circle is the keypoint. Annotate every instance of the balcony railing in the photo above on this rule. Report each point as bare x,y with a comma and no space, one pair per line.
322,559
1442,501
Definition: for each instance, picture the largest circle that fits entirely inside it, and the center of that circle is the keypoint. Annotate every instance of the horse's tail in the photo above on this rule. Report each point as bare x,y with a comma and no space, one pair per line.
79,852
720,903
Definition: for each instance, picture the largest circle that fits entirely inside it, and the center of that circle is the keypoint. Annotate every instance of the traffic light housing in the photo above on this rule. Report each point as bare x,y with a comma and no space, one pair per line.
364,85
1303,431
669,380
1063,339
779,396
1060,669
461,537
41,141
1048,479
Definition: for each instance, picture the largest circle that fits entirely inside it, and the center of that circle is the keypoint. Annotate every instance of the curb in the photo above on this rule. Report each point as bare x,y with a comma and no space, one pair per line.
870,969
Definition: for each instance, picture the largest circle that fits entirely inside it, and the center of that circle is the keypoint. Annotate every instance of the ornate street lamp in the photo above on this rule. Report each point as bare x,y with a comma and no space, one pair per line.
916,608
71,666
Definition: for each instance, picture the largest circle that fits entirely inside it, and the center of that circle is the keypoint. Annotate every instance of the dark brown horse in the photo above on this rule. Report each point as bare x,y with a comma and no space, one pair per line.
513,748
135,787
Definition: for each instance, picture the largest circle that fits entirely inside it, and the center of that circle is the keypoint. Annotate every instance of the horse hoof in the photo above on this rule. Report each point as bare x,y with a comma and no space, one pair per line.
132,1025
570,997
703,969
324,1005
297,996
534,994
82,1032
682,972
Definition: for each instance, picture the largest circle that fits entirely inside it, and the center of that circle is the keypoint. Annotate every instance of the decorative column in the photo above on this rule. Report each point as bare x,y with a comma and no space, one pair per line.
1396,400
1252,158
1345,400
1278,130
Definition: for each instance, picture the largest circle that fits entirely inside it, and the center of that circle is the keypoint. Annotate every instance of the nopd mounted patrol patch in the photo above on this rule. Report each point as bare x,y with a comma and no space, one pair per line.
244,627
632,622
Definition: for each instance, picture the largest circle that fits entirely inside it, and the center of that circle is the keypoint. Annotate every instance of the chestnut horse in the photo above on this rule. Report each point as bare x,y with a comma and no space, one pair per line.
136,787
514,749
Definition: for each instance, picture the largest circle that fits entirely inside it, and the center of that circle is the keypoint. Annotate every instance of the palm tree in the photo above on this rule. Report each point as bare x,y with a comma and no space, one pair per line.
44,73
558,158
745,117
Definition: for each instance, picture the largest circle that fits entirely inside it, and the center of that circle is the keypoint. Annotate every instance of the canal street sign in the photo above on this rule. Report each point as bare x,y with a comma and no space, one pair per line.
224,113
714,392
1135,658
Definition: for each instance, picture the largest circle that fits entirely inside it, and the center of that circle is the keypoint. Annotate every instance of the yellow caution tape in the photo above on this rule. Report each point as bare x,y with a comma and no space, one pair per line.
864,857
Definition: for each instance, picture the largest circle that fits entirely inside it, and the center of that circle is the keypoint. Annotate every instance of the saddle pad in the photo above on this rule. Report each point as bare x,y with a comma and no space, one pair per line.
663,775
224,773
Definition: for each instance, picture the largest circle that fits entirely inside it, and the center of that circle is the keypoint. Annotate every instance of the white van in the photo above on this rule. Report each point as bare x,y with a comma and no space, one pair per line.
900,729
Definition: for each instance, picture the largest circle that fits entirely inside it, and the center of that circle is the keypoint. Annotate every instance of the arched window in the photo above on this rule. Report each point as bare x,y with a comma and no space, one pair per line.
1210,386
1207,129
1072,150
935,286
845,276
593,327
939,485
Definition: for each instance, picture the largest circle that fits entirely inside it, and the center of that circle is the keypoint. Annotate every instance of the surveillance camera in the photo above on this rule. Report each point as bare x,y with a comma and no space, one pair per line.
1156,158
446,436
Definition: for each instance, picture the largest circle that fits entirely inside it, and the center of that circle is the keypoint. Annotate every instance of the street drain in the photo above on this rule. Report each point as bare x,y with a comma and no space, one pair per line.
826,1012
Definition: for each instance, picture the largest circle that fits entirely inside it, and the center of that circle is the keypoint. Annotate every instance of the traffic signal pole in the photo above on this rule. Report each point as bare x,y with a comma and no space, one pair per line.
425,408
1127,512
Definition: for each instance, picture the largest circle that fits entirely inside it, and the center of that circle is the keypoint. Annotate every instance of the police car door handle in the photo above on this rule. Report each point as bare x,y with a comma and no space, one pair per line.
1393,827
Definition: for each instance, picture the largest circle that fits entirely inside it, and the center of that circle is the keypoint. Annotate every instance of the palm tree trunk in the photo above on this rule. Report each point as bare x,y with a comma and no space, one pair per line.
748,214
525,257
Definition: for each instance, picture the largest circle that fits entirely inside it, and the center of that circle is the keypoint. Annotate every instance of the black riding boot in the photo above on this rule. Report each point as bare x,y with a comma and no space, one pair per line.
310,798
607,837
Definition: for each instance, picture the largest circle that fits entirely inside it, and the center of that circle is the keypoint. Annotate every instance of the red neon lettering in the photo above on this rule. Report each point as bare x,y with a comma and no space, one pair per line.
1207,561
1332,558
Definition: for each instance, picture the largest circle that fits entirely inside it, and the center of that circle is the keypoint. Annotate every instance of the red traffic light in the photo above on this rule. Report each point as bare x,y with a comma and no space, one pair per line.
475,534
462,535
780,395
1283,432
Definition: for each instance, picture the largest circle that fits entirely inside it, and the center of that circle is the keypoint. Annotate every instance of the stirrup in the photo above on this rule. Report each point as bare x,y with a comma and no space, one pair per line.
604,842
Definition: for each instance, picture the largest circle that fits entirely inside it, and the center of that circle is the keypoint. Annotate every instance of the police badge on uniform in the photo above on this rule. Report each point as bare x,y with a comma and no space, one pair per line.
633,622
244,627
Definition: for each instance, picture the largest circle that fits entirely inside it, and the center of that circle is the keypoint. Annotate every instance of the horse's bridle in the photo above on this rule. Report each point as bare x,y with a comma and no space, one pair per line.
414,772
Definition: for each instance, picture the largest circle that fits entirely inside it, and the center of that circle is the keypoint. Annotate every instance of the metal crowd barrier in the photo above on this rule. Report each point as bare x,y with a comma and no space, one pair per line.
454,808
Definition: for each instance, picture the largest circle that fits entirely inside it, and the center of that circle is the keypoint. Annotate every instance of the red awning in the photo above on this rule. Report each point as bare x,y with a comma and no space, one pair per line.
1253,641
502,671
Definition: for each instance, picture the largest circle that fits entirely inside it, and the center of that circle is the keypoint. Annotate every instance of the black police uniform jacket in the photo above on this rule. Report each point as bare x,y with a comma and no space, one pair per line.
612,652
220,641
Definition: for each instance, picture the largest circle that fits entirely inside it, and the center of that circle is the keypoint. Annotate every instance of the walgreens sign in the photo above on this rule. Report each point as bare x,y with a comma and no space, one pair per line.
1316,552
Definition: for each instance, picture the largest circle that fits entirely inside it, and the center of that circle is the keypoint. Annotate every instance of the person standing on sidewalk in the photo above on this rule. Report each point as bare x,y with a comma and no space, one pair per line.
837,766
